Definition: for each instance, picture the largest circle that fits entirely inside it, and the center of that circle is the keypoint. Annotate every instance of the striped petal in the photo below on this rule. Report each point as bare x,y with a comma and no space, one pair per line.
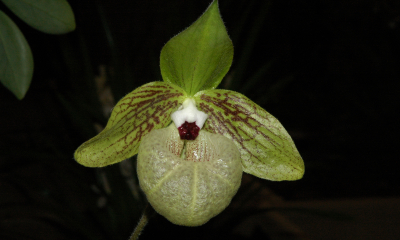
144,109
267,150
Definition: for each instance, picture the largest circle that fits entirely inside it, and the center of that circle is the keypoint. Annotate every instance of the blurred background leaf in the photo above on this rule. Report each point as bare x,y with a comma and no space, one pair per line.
49,16
16,61
55,17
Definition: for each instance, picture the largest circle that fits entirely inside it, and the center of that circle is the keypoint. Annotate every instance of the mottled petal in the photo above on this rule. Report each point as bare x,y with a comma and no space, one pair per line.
144,109
267,150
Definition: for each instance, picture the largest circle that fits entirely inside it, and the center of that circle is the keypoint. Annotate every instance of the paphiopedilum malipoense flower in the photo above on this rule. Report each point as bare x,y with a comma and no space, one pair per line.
194,141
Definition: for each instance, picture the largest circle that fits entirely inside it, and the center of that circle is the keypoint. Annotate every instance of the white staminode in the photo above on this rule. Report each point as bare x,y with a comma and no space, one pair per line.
189,113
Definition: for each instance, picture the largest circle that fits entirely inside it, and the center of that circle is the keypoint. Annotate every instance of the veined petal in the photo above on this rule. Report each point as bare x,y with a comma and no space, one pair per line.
267,150
144,109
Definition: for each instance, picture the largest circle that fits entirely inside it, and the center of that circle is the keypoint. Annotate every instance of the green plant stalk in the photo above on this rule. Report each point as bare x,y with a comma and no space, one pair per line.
148,212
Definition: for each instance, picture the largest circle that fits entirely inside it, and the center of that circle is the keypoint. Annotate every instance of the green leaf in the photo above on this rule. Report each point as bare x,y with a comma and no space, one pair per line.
200,56
49,16
144,109
266,148
16,61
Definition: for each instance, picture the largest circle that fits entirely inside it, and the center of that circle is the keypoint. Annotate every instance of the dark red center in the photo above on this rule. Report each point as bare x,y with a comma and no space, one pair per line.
189,131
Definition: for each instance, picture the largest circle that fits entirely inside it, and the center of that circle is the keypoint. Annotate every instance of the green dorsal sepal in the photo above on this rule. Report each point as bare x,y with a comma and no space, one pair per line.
200,56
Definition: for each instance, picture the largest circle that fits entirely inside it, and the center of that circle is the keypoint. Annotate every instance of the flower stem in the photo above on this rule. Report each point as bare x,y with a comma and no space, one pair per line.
148,212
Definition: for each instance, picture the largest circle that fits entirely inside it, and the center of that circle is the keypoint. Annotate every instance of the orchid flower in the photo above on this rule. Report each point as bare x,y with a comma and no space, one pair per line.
194,141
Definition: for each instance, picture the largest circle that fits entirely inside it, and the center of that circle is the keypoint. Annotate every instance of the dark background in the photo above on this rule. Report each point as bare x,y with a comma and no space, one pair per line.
328,70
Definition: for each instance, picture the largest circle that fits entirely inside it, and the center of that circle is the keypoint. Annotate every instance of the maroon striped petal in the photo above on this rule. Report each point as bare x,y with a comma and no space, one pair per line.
266,149
144,109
